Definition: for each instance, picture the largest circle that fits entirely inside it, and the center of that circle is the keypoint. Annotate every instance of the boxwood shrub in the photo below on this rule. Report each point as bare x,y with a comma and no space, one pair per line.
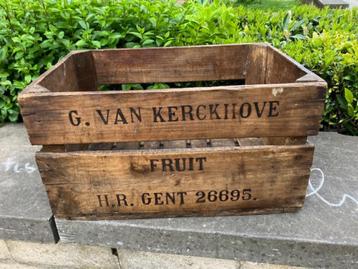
35,34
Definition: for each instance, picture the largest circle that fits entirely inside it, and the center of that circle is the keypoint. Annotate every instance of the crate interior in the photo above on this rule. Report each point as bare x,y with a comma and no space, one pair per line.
176,67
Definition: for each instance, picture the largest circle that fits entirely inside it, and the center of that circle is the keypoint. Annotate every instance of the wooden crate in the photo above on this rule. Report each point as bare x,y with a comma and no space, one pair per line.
188,151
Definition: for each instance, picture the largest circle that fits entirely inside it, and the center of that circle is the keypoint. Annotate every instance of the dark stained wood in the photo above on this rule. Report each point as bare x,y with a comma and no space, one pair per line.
85,71
277,177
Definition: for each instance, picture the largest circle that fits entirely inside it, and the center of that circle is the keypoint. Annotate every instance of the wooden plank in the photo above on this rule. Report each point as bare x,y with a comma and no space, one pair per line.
174,64
193,113
261,141
281,68
186,181
61,78
256,68
284,140
85,71
75,72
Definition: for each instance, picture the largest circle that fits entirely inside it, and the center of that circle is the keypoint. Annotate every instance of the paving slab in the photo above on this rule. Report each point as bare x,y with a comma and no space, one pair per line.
333,3
4,252
24,210
62,255
149,260
330,3
352,3
323,234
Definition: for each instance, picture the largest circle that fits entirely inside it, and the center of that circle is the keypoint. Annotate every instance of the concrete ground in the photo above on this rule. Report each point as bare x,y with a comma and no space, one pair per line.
352,3
27,255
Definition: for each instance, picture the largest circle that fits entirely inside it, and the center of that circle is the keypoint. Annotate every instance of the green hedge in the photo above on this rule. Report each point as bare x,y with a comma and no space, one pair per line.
35,34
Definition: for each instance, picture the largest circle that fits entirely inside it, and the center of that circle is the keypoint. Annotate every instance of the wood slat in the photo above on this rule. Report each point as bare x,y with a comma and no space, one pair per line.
79,117
88,184
175,64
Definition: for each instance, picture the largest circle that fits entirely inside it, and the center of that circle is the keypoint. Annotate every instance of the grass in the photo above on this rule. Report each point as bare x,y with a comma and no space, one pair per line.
274,4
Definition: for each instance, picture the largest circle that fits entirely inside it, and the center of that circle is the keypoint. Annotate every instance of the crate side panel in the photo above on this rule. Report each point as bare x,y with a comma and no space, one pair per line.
281,69
85,71
175,182
176,64
221,112
256,66
62,78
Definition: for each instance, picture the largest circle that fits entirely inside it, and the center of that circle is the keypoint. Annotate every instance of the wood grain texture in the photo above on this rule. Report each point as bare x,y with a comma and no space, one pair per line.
62,78
62,106
296,111
175,64
111,155
75,72
274,177
282,68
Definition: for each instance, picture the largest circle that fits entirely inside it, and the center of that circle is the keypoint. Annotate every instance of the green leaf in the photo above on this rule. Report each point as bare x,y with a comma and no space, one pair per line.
116,35
148,42
13,117
168,43
83,24
61,34
287,20
348,95
28,78
342,102
81,43
135,86
139,35
4,74
298,37
350,110
96,43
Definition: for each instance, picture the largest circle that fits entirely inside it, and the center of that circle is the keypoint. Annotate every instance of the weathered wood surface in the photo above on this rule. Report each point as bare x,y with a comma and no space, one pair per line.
173,64
196,113
91,172
62,106
183,181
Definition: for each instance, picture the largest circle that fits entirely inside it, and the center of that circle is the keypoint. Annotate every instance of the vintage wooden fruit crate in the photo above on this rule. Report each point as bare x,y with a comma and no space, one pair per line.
216,150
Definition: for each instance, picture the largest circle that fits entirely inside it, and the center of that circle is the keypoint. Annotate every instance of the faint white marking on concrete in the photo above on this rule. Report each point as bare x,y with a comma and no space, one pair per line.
314,191
11,165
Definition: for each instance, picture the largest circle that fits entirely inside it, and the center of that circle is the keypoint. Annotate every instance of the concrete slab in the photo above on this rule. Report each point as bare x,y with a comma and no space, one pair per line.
14,265
333,3
4,252
352,3
148,260
329,3
24,210
323,234
62,255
